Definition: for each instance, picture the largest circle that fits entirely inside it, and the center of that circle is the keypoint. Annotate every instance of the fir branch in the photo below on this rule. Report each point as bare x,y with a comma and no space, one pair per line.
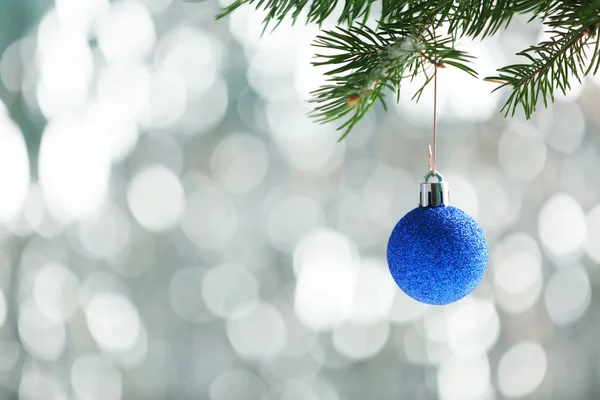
481,18
368,62
553,62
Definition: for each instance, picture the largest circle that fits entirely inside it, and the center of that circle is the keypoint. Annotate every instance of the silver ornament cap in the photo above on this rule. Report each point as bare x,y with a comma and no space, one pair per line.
434,194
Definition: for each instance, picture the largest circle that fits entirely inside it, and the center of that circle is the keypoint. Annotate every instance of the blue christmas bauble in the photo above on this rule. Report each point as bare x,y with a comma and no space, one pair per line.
437,255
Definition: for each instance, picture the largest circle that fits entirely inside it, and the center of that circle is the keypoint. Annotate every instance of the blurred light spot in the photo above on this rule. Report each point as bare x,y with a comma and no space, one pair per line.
326,265
522,369
517,269
294,390
568,295
305,388
14,167
413,346
55,292
237,385
114,123
10,353
99,282
156,199
206,112
185,296
14,64
325,390
593,234
573,175
304,145
595,78
105,234
66,68
289,366
405,309
325,247
360,341
42,337
516,272
246,27
229,290
561,225
166,102
94,378
373,293
74,169
251,110
269,72
239,163
567,129
276,54
287,37
125,86
516,303
39,382
5,270
34,211
324,352
353,219
211,219
292,217
3,310
259,334
473,327
134,357
157,6
384,193
29,87
126,31
435,324
190,53
113,322
36,215
300,339
495,193
38,251
463,194
522,152
158,148
465,379
518,242
80,15
437,352
308,77
468,98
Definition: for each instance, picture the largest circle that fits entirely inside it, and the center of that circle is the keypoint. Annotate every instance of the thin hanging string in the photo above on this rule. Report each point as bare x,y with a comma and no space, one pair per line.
434,170
433,166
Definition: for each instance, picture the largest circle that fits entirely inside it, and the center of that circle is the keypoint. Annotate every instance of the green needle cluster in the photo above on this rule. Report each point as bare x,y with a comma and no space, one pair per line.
414,37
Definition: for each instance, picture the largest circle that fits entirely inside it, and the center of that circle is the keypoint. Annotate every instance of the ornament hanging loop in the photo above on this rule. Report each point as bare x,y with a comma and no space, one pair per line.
434,194
432,174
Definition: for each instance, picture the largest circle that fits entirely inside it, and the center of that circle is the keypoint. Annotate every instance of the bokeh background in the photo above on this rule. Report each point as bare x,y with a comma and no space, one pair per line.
173,226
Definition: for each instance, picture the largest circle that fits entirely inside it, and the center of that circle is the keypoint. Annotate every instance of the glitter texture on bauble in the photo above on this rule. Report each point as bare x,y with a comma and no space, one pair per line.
437,253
